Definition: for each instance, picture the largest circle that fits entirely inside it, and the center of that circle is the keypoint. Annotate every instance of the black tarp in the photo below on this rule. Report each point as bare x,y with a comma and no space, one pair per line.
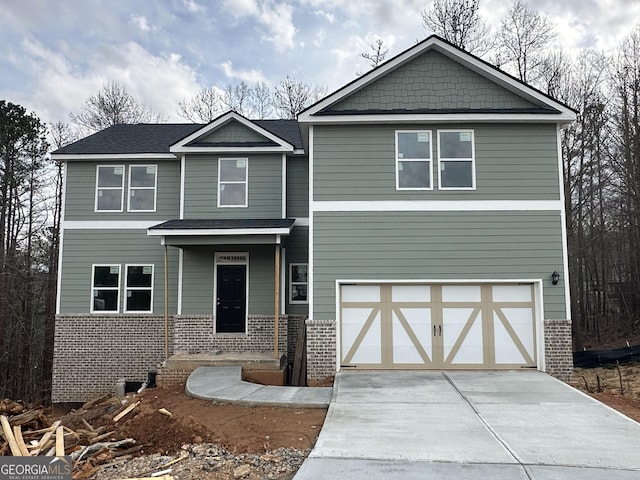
600,358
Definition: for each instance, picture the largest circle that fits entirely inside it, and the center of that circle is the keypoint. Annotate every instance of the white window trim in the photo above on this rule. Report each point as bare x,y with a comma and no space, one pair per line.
472,159
154,188
291,284
231,258
127,288
95,207
93,288
430,160
246,182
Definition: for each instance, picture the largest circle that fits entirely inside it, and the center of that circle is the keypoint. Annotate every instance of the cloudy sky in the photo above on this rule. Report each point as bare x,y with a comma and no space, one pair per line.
55,54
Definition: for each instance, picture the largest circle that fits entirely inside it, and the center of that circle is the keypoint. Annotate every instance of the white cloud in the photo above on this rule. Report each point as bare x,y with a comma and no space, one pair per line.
276,18
192,6
248,76
329,16
141,22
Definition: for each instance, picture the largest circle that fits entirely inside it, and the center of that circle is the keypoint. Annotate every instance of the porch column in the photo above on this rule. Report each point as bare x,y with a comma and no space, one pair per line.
277,298
166,303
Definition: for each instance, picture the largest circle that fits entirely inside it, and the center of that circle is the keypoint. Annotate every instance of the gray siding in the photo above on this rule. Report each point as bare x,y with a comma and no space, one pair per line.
233,132
513,162
83,248
431,81
198,275
297,187
297,245
436,245
265,187
81,191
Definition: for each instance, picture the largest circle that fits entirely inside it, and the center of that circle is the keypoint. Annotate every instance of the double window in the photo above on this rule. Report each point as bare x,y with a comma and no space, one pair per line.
233,176
298,283
110,188
456,160
105,288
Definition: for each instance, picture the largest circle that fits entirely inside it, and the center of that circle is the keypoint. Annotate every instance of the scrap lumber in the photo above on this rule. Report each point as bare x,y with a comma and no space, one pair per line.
60,441
166,412
17,433
42,444
126,411
164,477
8,435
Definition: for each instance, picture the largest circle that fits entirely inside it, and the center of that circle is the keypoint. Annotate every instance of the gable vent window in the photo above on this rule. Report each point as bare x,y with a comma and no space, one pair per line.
232,182
413,160
109,188
456,159
142,188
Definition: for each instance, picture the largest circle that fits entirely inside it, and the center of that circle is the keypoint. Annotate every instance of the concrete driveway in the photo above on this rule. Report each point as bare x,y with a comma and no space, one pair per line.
469,425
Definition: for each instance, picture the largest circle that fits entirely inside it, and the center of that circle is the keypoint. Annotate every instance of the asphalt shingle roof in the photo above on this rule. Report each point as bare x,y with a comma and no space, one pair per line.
158,137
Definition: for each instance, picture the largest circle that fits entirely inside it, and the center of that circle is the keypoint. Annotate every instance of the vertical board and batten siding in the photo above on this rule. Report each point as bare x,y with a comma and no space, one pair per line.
431,81
198,278
436,246
297,251
513,162
232,132
84,248
81,191
297,187
264,187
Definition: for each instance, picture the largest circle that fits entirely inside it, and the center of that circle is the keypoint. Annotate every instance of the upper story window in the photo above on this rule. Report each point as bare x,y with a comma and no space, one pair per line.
413,160
142,188
232,182
139,288
109,188
105,288
456,159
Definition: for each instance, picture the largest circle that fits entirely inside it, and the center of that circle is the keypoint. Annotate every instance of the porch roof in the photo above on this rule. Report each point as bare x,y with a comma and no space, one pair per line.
208,231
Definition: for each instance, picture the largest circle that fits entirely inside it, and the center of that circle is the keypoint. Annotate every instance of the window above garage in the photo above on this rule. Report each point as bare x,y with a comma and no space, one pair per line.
456,160
413,160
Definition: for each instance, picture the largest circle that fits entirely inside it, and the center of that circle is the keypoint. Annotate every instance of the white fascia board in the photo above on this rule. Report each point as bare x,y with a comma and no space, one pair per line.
365,118
469,61
436,206
301,222
231,149
436,281
114,156
220,121
109,224
218,232
298,151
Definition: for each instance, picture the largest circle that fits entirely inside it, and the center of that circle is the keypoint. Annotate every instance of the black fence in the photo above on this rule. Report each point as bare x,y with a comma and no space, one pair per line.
601,358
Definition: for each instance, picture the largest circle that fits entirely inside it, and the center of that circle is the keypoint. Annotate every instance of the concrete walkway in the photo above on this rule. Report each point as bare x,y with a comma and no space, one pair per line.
225,384
465,425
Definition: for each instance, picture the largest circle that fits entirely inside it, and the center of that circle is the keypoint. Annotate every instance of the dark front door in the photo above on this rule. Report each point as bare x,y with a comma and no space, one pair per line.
231,298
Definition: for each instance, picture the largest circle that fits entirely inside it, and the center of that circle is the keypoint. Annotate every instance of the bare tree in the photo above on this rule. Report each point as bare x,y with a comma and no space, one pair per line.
261,100
112,105
458,22
238,98
377,55
292,96
202,108
522,39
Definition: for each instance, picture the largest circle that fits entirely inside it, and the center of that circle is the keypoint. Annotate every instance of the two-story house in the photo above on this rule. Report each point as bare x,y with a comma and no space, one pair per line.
416,216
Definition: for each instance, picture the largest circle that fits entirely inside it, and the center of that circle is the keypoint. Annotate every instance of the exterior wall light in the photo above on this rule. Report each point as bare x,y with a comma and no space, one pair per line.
555,276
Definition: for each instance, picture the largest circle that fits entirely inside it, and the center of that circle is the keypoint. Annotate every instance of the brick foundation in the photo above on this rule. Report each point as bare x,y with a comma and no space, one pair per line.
92,352
558,349
321,350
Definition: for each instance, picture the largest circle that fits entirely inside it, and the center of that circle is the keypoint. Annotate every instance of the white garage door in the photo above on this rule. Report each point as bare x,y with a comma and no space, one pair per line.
437,326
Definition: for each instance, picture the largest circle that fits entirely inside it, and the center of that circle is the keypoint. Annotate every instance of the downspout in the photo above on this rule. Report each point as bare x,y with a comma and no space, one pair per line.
277,298
166,303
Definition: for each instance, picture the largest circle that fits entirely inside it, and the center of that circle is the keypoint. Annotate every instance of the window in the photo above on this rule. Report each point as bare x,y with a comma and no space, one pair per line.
109,188
298,283
105,288
413,160
232,182
142,188
139,288
456,160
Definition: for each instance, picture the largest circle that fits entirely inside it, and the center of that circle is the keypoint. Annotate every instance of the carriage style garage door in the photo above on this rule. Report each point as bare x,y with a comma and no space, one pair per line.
437,326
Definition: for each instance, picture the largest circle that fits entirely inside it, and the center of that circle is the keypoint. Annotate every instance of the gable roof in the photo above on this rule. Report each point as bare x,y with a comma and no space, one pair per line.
153,140
257,136
523,102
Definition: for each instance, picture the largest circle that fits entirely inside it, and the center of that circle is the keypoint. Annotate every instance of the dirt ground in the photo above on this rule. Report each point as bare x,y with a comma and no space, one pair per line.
605,383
